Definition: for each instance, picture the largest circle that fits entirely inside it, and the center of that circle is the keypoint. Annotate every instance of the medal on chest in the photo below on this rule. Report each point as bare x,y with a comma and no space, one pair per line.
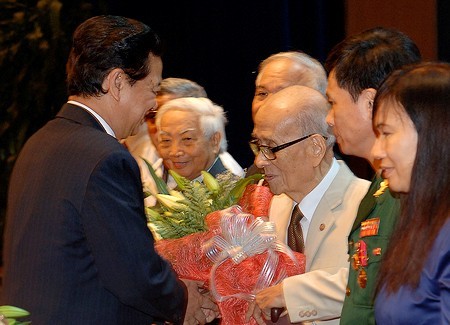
360,261
369,227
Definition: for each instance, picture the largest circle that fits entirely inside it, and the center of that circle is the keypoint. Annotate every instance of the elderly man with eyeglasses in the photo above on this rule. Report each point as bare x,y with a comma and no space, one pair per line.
293,145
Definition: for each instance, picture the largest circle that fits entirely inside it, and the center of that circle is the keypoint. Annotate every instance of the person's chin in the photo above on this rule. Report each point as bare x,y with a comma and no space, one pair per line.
136,129
394,186
183,172
346,150
273,185
395,182
340,144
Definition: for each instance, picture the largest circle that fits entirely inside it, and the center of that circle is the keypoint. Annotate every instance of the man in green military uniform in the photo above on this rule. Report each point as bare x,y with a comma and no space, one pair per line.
356,68
368,240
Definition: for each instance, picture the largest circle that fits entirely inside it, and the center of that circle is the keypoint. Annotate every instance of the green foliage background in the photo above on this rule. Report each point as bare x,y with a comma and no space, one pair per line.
35,38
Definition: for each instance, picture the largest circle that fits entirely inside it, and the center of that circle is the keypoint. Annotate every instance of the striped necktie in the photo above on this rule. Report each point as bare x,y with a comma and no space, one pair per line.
295,232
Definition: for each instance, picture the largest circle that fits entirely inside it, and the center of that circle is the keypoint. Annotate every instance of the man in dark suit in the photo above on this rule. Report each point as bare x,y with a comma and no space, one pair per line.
77,248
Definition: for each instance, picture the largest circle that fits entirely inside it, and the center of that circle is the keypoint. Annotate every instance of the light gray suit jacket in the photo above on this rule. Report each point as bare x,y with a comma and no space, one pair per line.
319,293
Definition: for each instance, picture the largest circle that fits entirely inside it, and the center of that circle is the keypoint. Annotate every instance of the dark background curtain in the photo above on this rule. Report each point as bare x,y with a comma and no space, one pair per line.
219,44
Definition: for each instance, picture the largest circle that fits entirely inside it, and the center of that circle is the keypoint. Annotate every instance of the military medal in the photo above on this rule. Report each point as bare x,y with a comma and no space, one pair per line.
359,261
362,253
355,258
369,227
355,261
362,278
376,251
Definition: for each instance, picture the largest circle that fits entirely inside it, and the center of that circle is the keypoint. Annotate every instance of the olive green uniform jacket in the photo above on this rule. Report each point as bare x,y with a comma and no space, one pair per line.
368,239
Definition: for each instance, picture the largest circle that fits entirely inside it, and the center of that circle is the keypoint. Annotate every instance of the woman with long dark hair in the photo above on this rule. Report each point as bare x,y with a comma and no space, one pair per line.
411,119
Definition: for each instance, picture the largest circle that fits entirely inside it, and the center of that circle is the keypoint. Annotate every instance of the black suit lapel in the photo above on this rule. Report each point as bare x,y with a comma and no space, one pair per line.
217,168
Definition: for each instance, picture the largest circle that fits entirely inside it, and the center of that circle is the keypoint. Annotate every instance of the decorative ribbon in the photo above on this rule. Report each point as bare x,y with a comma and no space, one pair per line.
243,235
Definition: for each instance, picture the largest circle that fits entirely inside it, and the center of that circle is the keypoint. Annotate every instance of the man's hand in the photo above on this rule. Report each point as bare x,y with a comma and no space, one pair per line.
201,309
253,310
272,297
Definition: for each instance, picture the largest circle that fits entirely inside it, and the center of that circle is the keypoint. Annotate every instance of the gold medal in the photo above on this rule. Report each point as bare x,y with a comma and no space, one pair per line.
355,257
355,261
362,278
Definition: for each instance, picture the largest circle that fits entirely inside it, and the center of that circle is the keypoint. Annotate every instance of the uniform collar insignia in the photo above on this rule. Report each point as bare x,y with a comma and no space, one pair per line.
383,186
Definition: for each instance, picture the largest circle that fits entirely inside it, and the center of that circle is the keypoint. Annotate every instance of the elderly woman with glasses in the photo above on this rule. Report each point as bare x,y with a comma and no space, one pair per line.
315,194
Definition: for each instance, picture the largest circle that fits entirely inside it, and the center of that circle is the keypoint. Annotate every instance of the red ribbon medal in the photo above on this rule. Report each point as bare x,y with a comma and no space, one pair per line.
369,227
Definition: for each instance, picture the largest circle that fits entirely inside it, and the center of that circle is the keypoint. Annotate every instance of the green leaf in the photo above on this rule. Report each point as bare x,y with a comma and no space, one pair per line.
180,180
160,184
241,184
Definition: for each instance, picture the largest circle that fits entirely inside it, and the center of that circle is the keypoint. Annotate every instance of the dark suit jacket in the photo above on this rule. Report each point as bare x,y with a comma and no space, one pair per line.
77,248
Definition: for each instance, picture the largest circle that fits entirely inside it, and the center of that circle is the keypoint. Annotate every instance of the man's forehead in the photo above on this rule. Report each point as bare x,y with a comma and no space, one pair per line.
181,132
269,125
277,133
275,104
275,80
262,134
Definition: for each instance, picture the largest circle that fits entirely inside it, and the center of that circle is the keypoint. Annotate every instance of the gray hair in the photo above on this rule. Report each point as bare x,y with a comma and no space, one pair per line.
181,87
212,117
313,73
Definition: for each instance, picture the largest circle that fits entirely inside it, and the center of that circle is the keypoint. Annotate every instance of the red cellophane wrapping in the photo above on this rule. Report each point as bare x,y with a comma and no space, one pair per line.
190,262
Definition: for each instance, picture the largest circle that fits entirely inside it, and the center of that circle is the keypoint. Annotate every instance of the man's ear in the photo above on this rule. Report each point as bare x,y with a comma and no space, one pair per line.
318,148
114,83
368,96
216,142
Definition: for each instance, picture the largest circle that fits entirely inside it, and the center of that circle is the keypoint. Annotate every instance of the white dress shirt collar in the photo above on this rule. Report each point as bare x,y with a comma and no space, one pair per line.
105,125
310,202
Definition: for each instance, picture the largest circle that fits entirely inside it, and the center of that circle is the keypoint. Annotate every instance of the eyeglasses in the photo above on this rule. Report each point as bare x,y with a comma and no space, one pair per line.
269,152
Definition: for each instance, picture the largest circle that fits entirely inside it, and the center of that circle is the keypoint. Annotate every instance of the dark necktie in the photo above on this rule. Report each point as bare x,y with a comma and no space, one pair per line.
295,233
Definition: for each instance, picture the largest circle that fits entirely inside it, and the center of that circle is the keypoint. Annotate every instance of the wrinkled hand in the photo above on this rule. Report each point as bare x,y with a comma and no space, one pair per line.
267,299
253,310
201,309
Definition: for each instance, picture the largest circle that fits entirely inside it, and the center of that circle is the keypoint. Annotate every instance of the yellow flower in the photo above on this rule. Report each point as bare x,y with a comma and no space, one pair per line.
177,194
172,202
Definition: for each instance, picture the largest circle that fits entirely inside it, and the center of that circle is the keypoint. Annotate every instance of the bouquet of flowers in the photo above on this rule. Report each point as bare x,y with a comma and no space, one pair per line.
218,232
